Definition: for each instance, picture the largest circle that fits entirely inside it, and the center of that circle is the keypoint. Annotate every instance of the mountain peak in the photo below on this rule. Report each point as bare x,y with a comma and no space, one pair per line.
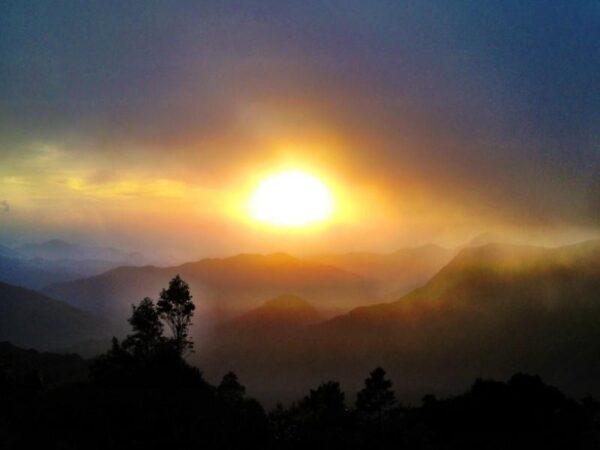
288,302
282,311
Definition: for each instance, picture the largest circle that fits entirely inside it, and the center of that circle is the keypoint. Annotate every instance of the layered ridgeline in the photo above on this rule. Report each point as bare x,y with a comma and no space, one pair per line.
222,287
32,320
493,310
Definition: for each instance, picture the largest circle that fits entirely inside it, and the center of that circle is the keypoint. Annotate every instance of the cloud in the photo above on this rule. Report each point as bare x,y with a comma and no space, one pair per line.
4,207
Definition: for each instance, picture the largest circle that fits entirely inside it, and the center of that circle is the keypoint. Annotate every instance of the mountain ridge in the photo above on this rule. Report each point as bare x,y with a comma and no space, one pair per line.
228,285
503,259
491,311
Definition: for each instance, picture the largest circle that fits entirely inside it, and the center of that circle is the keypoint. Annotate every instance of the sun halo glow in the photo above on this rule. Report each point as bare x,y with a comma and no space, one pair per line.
291,199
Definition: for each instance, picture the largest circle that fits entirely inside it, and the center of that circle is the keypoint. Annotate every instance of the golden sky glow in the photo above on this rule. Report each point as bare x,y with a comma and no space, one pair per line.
158,137
300,194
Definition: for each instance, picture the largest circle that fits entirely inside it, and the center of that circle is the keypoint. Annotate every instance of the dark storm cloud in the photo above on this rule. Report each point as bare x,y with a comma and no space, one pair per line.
499,98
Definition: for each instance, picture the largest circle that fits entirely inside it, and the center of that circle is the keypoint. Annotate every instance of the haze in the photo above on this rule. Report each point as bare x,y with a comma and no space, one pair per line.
292,225
148,125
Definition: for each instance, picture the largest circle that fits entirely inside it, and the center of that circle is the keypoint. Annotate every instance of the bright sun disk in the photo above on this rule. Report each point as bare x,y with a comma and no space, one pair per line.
291,198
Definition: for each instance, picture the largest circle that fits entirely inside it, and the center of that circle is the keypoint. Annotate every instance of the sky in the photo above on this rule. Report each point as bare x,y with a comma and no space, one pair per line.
146,125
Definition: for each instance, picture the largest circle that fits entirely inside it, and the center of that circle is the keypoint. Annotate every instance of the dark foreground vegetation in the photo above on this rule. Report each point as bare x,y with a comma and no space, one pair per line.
142,394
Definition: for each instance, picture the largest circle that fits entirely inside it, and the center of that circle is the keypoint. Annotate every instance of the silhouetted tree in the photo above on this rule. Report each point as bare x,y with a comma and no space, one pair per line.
242,421
320,418
147,327
146,357
326,403
176,309
377,398
230,390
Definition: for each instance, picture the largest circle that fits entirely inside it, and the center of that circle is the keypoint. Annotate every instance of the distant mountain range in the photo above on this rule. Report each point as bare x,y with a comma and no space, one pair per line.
38,265
491,311
57,250
32,320
221,287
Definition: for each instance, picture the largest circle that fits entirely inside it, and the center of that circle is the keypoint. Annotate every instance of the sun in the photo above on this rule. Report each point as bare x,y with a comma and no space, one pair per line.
291,198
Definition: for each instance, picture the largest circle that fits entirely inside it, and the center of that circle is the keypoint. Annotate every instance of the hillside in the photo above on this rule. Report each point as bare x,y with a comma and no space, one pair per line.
502,275
32,320
493,310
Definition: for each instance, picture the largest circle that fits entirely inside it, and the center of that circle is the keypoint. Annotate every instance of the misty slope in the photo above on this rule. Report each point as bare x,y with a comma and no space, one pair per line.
398,272
492,311
497,275
221,287
30,319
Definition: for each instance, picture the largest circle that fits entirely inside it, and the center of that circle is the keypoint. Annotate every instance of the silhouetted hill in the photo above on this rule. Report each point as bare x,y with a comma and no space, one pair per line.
221,287
52,369
30,319
492,311
398,272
